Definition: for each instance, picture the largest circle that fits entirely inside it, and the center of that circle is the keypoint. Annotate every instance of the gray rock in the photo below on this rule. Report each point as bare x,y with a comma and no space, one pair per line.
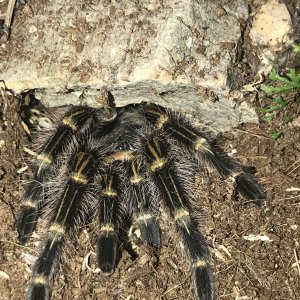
160,51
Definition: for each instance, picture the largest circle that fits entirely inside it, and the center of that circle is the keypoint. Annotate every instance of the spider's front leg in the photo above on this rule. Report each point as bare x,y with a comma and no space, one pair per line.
173,189
62,188
81,171
72,123
178,128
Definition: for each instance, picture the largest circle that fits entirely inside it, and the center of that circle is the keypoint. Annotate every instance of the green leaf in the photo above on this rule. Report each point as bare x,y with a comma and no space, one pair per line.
269,89
273,75
266,88
275,135
269,109
268,118
295,78
296,48
279,101
287,120
285,84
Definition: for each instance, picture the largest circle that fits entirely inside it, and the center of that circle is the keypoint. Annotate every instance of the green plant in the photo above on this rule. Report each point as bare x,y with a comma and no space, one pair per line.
283,85
275,135
296,48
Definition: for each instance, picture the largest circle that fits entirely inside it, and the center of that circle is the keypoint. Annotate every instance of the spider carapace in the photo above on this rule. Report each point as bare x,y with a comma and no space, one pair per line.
119,164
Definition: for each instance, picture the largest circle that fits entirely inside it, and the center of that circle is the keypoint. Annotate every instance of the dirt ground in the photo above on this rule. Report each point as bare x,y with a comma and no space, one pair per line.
266,267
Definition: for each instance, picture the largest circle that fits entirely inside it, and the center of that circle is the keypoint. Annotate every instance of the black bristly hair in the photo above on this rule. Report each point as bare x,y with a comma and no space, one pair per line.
166,175
110,217
200,146
71,123
141,197
121,166
76,121
81,169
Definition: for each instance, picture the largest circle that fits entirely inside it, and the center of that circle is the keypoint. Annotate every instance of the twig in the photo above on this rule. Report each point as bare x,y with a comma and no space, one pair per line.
292,165
297,263
5,29
257,135
15,244
9,12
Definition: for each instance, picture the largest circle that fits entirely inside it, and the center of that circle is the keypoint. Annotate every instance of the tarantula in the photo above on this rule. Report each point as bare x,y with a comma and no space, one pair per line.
120,166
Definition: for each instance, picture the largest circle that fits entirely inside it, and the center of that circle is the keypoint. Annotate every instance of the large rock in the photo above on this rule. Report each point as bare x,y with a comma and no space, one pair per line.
271,25
167,52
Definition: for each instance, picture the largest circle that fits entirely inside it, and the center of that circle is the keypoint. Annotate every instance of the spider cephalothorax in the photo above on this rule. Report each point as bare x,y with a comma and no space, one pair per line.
120,166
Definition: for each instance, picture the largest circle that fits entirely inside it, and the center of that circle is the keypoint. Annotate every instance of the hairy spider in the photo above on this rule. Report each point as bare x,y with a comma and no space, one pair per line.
120,166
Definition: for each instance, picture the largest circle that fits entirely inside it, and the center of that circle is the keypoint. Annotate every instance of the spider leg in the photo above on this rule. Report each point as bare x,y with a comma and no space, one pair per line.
28,214
182,131
109,216
176,199
141,197
74,121
81,172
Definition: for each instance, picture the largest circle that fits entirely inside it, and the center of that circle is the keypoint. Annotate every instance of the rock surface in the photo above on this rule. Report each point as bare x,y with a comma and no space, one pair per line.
165,52
271,25
271,31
